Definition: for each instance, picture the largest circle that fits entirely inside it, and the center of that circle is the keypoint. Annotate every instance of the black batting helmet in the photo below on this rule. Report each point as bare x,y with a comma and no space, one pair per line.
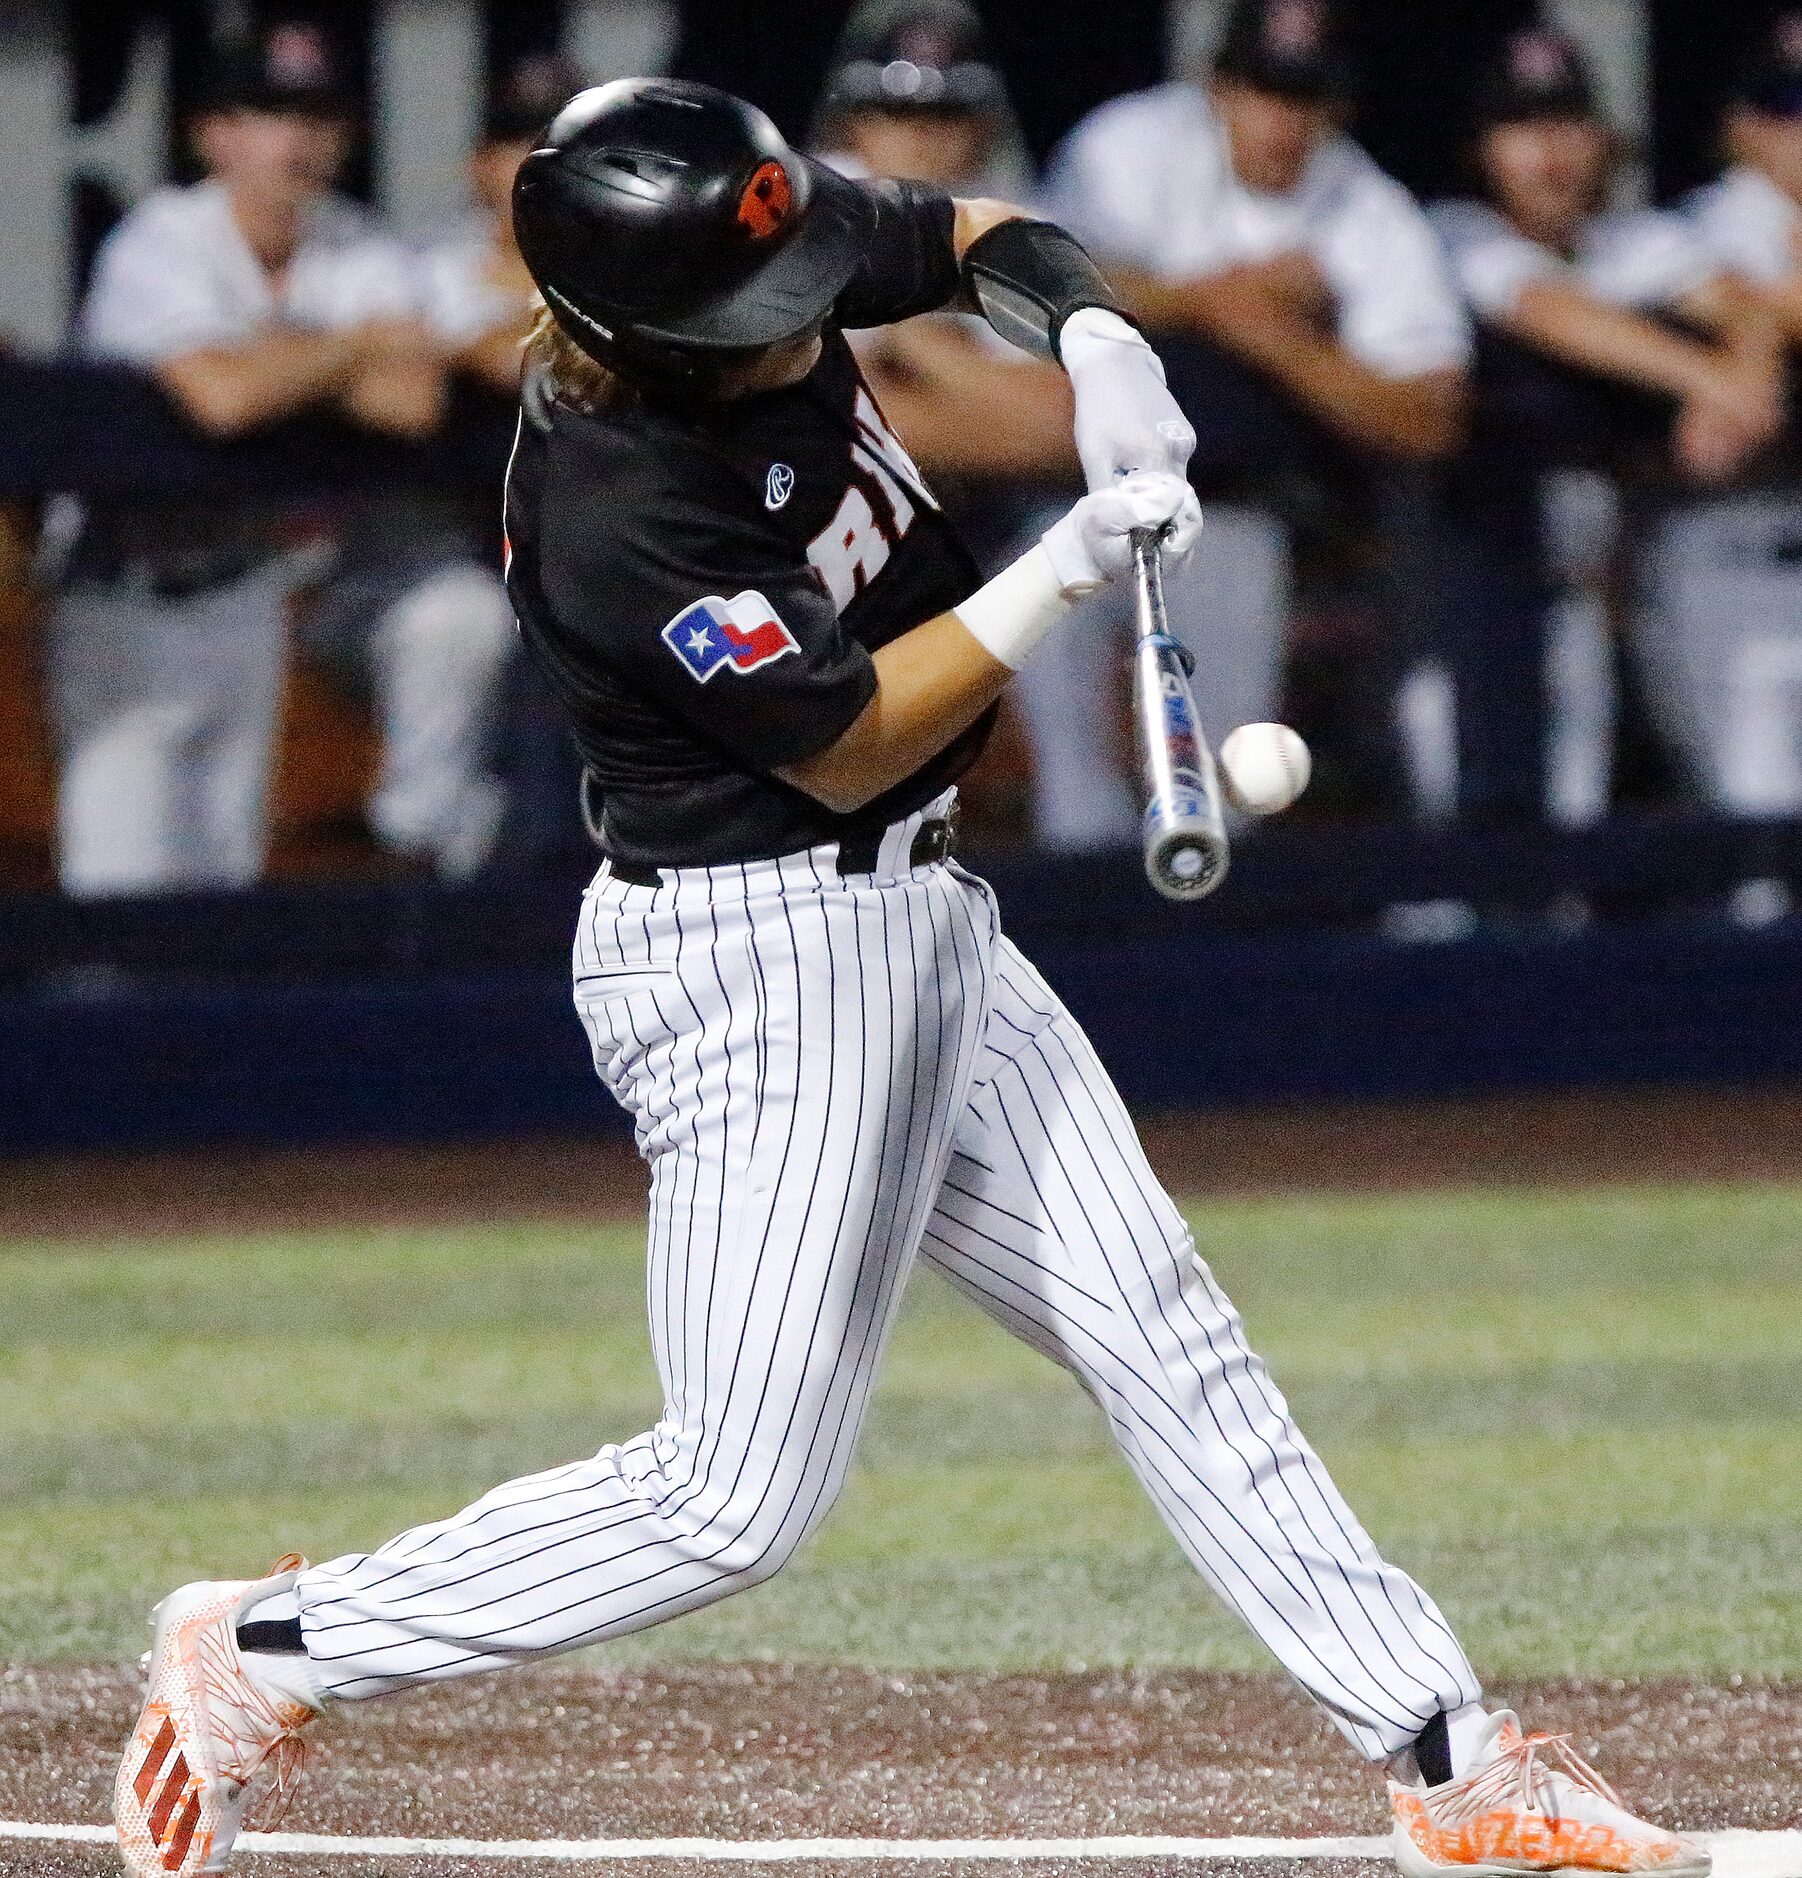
669,226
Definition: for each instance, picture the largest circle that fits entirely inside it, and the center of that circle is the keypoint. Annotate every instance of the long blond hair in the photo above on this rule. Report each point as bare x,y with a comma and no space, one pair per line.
575,377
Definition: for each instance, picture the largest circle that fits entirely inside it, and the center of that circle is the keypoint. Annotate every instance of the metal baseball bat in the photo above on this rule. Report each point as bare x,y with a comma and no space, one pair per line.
1186,850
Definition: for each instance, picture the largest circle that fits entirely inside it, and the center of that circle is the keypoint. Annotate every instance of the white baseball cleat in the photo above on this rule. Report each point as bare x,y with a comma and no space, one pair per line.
1530,1803
206,1732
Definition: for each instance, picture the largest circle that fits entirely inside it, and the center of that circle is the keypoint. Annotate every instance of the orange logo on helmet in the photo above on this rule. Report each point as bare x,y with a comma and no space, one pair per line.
765,203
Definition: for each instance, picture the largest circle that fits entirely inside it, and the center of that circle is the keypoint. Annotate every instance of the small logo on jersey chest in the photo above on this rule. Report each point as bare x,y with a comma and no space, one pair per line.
778,485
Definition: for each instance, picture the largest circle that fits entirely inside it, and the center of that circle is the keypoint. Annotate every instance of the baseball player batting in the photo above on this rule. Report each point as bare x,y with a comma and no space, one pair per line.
778,658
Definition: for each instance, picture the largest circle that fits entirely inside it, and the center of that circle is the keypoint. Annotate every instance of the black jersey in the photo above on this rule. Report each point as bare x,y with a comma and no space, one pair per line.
705,585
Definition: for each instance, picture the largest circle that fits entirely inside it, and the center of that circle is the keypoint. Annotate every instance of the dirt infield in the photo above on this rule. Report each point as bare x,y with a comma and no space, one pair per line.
771,1753
1558,1140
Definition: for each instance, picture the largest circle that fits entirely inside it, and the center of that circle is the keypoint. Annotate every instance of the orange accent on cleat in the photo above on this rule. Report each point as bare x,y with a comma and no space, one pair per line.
183,1836
208,1735
173,1788
1531,1803
159,1752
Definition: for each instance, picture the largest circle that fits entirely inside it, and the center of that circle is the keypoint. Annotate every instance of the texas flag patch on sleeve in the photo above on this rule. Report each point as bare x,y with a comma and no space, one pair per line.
741,633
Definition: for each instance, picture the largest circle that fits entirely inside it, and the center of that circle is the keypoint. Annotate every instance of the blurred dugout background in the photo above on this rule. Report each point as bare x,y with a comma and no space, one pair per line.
1503,500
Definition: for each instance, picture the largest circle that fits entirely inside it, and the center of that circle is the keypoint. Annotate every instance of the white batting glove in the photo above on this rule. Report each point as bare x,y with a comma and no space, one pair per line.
1093,543
1126,420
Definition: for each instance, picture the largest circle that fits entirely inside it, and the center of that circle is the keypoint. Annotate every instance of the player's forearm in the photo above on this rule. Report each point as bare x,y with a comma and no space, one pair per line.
1752,330
228,390
405,400
1162,306
976,215
1418,418
982,418
1786,302
1579,330
934,682
931,685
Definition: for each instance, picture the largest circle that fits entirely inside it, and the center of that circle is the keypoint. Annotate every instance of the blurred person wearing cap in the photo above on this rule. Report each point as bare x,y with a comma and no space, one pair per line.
1237,216
1724,619
911,96
1236,210
478,295
252,296
1751,219
1627,294
1632,297
479,299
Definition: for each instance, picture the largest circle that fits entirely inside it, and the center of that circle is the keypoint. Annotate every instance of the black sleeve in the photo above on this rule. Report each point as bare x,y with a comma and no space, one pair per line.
707,610
910,265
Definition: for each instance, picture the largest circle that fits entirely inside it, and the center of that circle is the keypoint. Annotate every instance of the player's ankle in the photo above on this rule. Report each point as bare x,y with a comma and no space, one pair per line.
284,1676
1445,1748
273,1650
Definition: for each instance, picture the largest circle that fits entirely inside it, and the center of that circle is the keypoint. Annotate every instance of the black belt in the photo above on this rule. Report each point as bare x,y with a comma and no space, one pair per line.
857,854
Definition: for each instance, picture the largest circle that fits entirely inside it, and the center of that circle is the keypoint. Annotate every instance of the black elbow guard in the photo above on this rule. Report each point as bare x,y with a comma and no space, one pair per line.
1029,277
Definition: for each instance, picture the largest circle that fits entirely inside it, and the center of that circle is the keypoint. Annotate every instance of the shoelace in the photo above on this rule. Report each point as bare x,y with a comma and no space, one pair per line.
1516,1773
289,1756
264,1736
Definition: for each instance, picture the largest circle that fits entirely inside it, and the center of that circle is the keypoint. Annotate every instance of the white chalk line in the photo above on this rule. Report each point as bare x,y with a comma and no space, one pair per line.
1740,1853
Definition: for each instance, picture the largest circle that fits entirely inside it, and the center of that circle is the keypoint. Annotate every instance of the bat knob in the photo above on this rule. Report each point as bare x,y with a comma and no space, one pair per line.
1186,864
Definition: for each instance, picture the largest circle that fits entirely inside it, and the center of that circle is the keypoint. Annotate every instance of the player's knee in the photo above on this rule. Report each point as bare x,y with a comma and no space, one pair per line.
742,1550
754,1557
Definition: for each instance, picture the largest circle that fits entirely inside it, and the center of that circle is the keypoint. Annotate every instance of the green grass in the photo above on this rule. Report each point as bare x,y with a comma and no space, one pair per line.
1577,1417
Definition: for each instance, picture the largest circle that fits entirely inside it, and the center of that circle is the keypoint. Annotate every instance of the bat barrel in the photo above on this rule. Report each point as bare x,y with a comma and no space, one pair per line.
1184,829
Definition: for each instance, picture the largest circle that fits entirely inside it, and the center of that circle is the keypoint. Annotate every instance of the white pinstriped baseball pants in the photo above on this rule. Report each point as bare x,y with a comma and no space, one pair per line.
831,1077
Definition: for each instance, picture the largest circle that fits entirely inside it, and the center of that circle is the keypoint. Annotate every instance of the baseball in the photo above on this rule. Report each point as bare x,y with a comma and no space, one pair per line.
1265,767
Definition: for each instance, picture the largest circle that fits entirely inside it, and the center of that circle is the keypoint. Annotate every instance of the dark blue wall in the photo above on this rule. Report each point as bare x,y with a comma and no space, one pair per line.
368,1015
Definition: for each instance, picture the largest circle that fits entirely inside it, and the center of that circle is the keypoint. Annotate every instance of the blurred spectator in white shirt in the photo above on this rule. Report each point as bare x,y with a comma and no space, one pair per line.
1547,259
478,295
911,95
1235,209
1231,209
1751,220
1725,588
252,296
1637,297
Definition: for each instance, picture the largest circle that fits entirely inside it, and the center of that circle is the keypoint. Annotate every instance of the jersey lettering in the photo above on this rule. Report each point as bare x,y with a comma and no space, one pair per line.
876,436
851,550
901,511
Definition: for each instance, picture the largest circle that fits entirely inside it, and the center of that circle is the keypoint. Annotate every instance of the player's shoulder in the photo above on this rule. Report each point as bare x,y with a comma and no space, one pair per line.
459,241
1637,224
1722,196
624,483
1351,179
451,261
337,225
1734,192
171,222
1641,235
1747,222
1465,222
1141,124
